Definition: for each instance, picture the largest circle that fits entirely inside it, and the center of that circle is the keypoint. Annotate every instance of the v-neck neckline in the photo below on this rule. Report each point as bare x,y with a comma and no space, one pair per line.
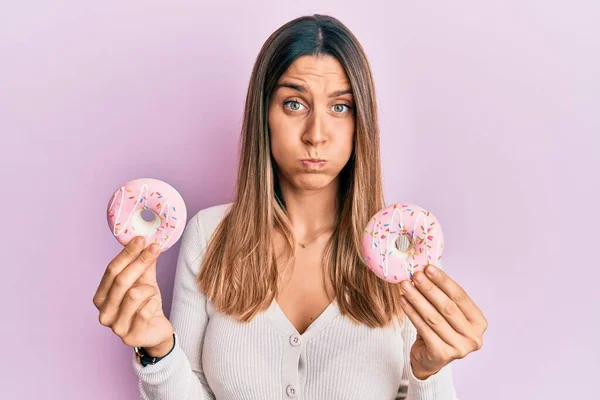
285,326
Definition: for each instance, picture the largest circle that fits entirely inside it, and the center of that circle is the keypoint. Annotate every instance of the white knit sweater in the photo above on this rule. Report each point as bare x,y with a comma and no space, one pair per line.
218,357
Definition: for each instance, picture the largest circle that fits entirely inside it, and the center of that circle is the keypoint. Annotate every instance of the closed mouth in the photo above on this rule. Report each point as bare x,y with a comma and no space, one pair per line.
314,160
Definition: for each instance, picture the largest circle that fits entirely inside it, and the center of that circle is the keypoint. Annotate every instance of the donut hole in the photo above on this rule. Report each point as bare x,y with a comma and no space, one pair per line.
403,242
148,215
402,246
145,222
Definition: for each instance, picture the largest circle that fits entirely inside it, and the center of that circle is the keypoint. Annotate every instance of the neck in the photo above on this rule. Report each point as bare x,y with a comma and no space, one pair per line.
311,211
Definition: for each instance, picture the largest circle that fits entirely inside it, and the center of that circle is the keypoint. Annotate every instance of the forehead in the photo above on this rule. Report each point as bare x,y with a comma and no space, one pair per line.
321,71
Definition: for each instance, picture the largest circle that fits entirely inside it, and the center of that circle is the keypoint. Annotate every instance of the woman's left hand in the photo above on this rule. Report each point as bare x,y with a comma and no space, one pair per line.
449,324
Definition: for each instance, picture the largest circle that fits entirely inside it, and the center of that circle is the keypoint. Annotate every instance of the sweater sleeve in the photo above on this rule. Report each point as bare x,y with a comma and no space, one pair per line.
180,375
439,386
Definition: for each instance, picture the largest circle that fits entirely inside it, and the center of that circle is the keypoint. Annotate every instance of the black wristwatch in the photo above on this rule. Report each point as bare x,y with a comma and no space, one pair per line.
144,359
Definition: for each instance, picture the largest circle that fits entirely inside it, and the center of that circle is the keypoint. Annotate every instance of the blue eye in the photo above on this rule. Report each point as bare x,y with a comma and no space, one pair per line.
344,105
291,101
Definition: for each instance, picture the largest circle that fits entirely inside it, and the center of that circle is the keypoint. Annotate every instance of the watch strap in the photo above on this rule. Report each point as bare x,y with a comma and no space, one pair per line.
145,359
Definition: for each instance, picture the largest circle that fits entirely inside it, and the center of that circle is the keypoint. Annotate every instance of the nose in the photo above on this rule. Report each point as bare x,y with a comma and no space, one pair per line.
315,133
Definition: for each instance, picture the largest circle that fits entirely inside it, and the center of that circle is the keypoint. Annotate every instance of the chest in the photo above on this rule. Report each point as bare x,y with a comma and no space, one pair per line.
304,292
335,359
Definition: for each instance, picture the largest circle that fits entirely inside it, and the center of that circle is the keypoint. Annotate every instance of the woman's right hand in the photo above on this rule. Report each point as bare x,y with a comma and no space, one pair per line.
129,299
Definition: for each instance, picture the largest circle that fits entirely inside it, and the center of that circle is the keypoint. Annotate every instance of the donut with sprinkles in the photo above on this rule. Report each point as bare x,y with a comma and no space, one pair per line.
159,202
401,239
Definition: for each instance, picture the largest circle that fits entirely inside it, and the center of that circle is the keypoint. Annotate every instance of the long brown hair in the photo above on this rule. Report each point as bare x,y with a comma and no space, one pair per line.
239,271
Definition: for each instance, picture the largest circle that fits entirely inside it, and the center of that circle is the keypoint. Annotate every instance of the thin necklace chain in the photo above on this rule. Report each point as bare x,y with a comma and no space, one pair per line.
303,245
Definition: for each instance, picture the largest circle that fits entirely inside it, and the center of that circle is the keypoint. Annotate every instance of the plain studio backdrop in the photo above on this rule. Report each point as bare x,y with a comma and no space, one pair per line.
489,116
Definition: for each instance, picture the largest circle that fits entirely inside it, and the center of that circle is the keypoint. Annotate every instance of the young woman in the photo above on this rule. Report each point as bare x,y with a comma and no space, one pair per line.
271,298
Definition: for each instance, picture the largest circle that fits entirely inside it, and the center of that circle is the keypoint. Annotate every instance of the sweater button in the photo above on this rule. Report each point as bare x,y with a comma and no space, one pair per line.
291,391
295,340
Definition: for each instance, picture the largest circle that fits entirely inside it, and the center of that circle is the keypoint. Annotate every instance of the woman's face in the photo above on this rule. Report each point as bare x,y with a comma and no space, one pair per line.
311,116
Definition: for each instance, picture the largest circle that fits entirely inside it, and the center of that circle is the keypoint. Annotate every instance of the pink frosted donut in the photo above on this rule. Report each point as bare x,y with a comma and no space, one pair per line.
162,223
400,240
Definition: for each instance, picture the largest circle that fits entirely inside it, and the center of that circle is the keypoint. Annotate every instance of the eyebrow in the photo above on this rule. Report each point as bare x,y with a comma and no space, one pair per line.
302,89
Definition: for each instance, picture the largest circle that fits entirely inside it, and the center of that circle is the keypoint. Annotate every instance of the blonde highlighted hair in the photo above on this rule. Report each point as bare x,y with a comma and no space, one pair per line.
239,271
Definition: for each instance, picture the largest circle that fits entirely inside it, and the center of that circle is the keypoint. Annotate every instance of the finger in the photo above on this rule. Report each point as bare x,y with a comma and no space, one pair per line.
443,304
428,313
148,276
135,298
124,281
144,316
430,337
456,293
116,265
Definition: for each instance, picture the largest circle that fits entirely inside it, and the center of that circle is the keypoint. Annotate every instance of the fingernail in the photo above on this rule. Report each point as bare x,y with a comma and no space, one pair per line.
431,270
139,240
154,248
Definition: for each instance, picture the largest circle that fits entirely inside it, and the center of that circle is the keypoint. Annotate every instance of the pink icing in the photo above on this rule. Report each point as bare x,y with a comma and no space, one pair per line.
134,196
378,242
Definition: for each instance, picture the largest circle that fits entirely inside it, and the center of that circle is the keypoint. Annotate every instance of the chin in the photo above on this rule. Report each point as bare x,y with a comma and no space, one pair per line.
314,181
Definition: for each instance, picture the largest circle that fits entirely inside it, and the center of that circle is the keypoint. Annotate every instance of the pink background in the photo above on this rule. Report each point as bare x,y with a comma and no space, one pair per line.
494,107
